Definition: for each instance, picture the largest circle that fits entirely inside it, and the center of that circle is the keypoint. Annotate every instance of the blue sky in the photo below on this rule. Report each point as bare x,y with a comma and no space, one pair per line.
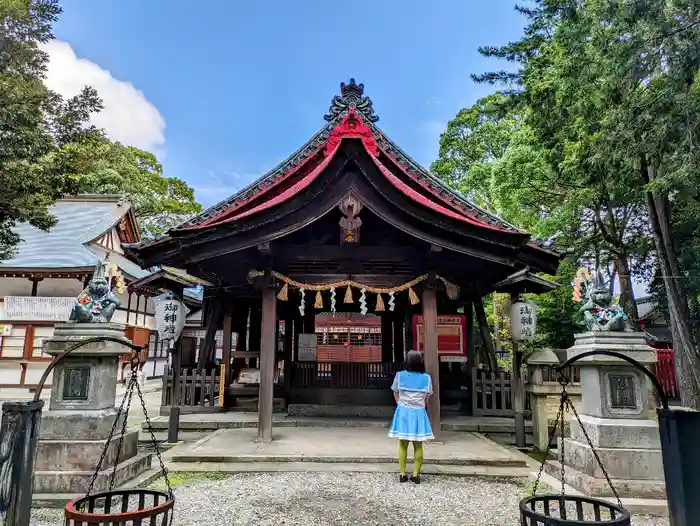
228,89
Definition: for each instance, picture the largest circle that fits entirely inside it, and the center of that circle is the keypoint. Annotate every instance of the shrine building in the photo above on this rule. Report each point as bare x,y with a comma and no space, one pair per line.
327,269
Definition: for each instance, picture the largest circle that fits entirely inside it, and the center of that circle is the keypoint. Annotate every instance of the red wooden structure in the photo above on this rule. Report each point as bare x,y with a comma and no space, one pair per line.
666,372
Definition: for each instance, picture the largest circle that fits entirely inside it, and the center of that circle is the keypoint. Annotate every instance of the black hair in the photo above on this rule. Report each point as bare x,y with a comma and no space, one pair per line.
414,362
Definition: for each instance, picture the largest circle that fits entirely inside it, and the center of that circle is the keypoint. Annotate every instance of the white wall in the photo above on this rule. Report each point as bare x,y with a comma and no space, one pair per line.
13,344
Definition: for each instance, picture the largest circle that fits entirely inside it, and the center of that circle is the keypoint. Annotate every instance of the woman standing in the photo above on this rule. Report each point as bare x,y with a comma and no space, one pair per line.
411,387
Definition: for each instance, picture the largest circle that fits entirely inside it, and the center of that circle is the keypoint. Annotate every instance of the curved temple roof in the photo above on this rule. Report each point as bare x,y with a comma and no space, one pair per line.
351,116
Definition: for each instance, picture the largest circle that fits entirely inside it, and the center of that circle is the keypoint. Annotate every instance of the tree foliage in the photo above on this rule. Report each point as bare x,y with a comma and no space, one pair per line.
48,148
108,167
35,124
609,90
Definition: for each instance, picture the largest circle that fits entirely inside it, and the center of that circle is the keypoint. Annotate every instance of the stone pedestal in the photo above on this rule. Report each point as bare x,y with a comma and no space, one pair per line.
540,390
616,402
82,413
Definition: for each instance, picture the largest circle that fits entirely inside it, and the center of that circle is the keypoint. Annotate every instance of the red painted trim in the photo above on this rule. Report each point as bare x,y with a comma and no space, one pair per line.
290,192
352,127
461,214
419,198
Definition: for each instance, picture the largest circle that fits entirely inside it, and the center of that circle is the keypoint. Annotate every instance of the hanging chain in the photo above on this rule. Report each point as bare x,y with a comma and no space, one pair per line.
595,454
565,400
154,442
106,446
552,434
128,396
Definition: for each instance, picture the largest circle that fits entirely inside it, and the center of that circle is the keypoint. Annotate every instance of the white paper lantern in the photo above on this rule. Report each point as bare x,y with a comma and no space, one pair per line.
170,315
523,320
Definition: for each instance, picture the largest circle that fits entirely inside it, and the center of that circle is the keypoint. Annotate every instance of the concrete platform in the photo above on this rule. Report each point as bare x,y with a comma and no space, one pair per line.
366,445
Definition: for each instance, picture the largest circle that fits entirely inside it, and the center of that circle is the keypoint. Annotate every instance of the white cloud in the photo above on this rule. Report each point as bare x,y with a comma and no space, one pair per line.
127,117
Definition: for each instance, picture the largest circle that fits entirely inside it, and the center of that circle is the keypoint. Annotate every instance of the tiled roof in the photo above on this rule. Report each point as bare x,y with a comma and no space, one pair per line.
645,307
80,220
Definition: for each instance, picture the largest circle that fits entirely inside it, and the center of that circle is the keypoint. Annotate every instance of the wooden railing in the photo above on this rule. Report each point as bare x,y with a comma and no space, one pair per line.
491,395
196,389
343,375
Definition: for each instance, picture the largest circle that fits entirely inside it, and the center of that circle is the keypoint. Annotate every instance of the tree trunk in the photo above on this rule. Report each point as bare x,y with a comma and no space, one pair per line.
686,357
627,299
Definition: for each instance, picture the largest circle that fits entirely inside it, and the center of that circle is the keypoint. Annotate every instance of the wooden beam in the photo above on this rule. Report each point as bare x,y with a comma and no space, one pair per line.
486,337
268,348
432,362
345,252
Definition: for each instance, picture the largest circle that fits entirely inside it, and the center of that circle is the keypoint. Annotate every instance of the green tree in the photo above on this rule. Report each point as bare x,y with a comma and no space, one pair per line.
160,202
48,149
491,154
610,90
35,123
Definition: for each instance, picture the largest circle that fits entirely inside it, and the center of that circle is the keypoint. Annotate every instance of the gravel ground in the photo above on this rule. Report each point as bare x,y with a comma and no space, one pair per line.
340,499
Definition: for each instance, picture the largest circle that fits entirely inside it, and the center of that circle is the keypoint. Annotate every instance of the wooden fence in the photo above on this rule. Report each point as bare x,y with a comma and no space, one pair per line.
343,375
196,389
492,393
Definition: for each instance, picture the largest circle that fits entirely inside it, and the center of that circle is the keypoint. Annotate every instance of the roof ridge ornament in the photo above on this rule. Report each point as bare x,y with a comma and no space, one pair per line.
352,127
351,96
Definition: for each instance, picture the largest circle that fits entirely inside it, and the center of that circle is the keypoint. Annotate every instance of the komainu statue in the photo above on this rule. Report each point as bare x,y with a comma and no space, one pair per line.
599,310
95,304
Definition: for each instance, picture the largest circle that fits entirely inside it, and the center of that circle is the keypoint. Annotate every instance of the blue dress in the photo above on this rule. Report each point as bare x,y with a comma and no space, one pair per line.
410,418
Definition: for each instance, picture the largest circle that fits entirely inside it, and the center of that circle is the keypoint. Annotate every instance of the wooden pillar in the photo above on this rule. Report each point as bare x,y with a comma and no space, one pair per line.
298,329
387,338
432,362
469,322
226,351
207,353
518,389
174,417
408,338
268,350
255,334
288,343
399,332
309,321
485,334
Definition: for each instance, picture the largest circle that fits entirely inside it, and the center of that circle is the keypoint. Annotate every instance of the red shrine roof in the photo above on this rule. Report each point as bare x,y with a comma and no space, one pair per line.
351,115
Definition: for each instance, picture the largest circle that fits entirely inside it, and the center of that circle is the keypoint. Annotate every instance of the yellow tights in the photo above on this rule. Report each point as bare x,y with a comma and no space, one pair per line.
417,457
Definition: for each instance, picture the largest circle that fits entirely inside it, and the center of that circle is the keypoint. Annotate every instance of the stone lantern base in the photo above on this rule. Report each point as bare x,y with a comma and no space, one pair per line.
616,402
82,413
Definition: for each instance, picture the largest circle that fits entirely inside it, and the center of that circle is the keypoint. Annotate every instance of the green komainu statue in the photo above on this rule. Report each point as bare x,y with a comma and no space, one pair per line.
599,310
97,303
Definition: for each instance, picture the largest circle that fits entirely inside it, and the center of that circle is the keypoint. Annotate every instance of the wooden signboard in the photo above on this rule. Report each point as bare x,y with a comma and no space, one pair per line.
452,337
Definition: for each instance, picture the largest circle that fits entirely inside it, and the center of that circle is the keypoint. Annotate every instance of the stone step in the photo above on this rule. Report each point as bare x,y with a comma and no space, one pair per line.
83,455
78,481
340,411
341,459
599,487
210,423
345,467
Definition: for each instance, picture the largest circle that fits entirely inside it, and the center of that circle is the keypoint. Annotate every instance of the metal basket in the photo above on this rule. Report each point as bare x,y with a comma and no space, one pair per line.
570,510
129,507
